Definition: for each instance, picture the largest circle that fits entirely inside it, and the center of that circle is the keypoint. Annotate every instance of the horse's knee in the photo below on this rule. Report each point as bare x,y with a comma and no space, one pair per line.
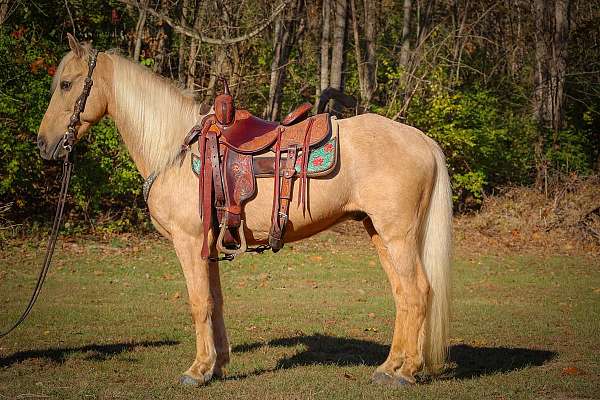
203,310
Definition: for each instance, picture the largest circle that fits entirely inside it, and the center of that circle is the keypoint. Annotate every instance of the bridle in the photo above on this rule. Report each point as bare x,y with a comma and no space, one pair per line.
68,141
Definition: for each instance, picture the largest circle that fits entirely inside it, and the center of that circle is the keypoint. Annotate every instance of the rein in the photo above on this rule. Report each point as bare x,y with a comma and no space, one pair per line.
68,141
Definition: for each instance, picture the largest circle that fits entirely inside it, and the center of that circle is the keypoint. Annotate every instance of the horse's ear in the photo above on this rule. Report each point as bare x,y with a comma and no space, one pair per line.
75,46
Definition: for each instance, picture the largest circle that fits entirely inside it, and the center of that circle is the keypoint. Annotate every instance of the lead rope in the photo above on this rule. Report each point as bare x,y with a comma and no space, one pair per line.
67,142
66,178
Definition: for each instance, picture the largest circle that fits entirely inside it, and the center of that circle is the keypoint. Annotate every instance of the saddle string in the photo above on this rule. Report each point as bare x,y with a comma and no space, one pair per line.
68,142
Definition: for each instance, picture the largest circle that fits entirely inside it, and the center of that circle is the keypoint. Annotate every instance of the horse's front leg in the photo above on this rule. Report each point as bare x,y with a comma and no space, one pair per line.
206,302
218,322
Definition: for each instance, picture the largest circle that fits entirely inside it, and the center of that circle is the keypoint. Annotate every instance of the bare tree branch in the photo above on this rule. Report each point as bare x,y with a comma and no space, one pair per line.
186,30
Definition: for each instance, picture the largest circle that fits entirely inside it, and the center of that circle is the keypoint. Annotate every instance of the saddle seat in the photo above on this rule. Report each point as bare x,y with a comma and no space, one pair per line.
250,135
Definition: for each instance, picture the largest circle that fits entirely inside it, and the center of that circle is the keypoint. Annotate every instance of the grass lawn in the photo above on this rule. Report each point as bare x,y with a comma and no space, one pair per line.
312,321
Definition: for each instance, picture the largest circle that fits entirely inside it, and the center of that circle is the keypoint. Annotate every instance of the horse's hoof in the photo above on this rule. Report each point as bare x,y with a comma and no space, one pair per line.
189,381
383,378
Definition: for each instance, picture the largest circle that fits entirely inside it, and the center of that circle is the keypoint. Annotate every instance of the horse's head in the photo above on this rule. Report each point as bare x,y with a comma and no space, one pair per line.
67,86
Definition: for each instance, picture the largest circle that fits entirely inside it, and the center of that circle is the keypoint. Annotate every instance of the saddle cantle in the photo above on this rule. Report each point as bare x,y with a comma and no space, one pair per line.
234,148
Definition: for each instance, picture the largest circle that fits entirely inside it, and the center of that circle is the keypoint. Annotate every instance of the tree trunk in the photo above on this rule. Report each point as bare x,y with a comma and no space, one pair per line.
280,37
181,68
551,38
460,25
216,70
337,53
4,11
424,21
164,42
357,48
139,31
370,79
284,36
367,76
325,45
194,49
405,40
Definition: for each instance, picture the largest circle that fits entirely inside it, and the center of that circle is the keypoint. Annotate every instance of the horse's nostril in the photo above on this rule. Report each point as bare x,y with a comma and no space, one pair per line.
41,143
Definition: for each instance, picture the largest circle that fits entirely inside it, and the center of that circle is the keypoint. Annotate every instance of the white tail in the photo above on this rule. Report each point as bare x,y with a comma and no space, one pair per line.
436,253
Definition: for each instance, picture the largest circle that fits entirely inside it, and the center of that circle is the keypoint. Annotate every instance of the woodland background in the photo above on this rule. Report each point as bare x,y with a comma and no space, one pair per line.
509,88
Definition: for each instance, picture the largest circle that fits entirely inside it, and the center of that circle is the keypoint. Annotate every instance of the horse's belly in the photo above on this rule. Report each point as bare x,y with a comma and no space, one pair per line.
327,203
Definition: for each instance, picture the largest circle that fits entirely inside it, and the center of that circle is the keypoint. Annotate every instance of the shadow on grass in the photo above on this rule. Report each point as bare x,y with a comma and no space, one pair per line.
94,352
470,362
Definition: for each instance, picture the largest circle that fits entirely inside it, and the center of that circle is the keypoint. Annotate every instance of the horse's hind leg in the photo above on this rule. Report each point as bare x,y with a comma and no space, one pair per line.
400,259
202,302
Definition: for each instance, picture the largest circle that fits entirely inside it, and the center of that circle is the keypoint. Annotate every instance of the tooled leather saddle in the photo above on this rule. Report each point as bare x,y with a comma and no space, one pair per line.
230,145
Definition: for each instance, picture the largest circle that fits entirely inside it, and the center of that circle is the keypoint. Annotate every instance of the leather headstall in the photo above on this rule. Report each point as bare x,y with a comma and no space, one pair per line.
75,120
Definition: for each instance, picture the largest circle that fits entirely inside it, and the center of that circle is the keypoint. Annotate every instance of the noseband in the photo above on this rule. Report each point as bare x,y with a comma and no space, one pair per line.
68,143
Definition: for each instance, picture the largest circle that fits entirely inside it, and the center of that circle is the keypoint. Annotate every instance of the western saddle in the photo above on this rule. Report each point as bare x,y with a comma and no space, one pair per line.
228,141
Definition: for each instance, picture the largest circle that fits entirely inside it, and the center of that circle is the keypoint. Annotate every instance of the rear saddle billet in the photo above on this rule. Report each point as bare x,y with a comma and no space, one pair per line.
229,140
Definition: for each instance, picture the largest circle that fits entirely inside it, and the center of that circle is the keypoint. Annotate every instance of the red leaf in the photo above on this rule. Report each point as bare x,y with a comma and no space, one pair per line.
572,371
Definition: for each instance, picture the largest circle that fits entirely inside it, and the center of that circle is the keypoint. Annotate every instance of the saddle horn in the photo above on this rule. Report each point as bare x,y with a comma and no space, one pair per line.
224,107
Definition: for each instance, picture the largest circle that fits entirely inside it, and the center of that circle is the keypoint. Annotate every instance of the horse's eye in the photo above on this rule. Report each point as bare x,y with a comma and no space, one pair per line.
65,85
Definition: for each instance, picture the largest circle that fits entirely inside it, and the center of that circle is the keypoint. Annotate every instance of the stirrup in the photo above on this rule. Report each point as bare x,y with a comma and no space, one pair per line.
240,250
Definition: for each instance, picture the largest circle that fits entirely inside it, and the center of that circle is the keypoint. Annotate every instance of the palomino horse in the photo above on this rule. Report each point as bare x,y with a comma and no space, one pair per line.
390,176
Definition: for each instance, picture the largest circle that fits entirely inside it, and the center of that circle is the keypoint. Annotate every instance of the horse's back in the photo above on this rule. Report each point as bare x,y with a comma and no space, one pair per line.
368,132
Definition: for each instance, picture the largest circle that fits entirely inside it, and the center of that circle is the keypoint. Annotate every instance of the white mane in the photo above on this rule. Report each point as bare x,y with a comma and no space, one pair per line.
154,115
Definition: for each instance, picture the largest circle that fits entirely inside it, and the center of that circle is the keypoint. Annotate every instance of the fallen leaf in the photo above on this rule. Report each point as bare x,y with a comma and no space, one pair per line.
572,371
348,376
316,258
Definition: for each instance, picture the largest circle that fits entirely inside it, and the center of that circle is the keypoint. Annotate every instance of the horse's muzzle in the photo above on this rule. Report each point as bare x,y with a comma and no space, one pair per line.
50,151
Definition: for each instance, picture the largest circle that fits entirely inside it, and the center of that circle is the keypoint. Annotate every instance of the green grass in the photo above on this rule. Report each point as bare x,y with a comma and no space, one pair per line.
312,321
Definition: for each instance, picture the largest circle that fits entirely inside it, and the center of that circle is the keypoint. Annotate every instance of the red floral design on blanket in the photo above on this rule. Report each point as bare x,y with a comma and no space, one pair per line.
318,161
328,147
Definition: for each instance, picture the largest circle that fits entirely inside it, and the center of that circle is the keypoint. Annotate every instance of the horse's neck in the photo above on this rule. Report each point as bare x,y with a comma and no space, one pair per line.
152,115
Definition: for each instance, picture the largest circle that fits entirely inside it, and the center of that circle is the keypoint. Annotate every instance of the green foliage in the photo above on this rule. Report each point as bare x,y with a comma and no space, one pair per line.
24,84
105,178
483,145
568,151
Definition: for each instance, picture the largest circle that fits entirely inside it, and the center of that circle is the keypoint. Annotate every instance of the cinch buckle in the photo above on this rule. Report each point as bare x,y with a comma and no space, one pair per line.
285,217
